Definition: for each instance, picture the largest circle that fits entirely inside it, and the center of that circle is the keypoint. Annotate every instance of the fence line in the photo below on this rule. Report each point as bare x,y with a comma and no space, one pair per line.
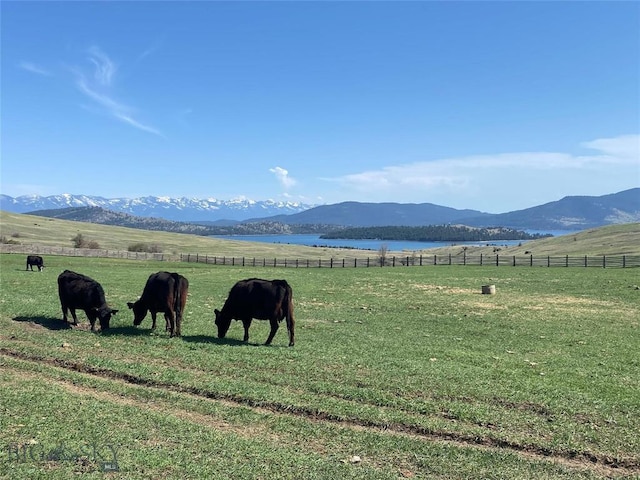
603,261
80,252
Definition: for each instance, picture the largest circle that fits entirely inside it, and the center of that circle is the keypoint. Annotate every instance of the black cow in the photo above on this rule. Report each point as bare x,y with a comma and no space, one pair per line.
164,292
79,291
35,260
262,299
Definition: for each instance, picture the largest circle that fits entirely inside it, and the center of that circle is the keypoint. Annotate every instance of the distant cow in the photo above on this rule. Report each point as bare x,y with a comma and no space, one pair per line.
164,292
262,299
34,260
79,291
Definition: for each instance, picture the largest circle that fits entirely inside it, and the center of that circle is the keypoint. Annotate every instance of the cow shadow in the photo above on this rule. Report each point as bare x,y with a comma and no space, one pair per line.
131,331
50,323
217,341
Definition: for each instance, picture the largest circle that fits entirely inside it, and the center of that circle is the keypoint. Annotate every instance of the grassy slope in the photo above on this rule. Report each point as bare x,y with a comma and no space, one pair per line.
610,240
58,233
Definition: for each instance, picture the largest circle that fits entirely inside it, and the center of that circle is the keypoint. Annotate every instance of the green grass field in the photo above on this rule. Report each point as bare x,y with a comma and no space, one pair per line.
396,373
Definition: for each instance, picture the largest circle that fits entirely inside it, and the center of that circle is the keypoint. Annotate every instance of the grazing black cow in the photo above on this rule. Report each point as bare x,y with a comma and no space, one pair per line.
35,260
79,291
262,299
164,292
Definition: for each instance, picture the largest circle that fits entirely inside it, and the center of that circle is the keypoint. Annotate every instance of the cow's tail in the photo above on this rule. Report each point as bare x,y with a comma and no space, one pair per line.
288,301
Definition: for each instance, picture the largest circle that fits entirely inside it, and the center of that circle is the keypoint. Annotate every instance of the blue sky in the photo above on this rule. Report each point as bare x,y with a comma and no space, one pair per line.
494,106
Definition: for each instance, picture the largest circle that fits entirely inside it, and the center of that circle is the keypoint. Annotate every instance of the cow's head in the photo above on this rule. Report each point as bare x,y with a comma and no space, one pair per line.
139,311
104,315
222,323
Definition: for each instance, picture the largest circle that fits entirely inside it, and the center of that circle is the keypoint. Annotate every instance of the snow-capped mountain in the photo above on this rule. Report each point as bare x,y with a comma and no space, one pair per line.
179,209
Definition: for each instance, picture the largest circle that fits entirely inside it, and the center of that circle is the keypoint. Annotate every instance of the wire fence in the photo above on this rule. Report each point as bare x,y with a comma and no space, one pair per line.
82,252
601,261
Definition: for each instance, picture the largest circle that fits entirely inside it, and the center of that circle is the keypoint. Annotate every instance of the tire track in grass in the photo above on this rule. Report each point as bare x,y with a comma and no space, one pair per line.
598,463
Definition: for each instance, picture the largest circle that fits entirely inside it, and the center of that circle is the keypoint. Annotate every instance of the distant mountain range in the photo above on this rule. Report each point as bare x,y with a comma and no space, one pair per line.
178,209
568,213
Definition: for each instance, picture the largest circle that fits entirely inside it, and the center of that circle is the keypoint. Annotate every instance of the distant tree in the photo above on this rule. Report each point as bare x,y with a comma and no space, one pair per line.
9,241
144,247
80,242
382,254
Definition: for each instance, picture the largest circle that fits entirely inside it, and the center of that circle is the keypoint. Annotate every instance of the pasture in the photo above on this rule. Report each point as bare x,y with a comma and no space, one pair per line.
396,373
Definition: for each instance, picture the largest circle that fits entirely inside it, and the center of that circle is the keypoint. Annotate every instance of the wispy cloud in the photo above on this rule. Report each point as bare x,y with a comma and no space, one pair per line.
105,69
33,68
283,177
98,86
520,177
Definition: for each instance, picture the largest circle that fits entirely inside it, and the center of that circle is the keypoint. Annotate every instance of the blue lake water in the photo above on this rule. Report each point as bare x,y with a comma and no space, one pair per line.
392,245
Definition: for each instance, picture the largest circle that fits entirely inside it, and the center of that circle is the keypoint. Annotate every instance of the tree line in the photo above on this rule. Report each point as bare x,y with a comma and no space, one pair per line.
433,233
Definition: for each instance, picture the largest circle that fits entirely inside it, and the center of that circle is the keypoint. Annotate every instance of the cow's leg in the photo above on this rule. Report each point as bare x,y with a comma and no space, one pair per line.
153,318
246,324
178,325
290,329
65,311
274,328
92,319
170,322
73,314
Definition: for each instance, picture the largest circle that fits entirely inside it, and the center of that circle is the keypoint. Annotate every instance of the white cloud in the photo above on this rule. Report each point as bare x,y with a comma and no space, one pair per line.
283,177
515,180
33,68
625,148
97,88
105,68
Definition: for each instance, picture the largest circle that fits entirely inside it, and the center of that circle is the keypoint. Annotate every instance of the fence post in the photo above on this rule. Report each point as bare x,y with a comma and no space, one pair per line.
548,260
435,259
449,259
274,263
464,258
624,261
355,262
480,259
296,263
264,262
420,259
367,261
604,261
514,260
254,261
307,263
566,261
586,264
497,259
331,262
